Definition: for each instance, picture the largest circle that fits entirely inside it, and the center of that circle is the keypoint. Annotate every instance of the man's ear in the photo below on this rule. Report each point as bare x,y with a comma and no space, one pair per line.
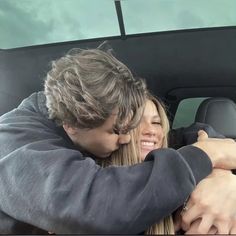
70,130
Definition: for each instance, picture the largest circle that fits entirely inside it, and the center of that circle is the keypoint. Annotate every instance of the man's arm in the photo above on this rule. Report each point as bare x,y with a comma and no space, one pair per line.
57,190
188,135
46,183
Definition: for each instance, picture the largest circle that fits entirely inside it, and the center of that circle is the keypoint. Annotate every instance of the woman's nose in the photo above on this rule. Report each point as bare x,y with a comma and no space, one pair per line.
148,129
124,138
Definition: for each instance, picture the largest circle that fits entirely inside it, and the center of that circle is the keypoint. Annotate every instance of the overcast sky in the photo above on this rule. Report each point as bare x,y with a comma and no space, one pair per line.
30,22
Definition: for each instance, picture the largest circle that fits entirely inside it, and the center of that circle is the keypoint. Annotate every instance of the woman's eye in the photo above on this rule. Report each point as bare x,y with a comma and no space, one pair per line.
156,123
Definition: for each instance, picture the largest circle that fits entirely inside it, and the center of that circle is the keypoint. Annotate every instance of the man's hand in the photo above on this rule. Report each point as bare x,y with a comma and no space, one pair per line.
222,152
212,205
195,225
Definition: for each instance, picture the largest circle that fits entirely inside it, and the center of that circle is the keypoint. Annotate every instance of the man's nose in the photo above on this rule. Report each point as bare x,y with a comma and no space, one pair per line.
124,138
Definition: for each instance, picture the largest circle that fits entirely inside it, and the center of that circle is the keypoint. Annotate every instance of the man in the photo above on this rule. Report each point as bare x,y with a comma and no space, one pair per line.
49,180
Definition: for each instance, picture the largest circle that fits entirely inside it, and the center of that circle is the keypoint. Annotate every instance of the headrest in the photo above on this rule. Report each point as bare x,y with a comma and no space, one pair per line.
220,113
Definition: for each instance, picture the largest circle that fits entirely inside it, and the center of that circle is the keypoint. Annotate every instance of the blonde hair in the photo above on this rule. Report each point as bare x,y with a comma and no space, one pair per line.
123,157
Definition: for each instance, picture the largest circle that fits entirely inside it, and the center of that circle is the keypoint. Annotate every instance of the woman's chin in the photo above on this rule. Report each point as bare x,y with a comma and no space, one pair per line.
144,153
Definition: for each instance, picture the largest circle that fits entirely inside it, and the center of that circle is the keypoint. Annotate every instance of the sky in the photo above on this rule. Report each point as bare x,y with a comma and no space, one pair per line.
32,22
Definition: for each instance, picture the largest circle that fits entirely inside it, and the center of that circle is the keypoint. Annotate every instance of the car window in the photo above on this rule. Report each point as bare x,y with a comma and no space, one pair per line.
141,16
35,22
28,22
185,114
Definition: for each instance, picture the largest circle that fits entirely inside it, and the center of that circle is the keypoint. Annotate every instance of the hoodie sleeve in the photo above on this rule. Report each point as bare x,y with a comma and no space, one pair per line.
46,183
188,135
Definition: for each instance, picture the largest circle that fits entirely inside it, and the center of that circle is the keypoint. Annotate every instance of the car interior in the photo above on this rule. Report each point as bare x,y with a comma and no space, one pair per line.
184,49
220,114
178,65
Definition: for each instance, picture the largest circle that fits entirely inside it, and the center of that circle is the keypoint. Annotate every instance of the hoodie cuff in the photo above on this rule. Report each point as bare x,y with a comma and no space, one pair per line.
198,161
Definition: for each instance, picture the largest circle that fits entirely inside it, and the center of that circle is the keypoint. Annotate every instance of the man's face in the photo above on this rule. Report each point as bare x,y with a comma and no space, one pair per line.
100,141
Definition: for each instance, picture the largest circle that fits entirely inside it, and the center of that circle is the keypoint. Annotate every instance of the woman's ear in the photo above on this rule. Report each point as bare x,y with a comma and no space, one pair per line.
70,130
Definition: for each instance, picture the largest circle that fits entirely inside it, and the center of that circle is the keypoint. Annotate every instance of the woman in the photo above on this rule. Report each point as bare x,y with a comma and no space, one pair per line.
151,134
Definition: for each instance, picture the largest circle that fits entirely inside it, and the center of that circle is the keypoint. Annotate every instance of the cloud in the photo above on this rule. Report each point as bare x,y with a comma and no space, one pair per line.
16,26
28,22
161,15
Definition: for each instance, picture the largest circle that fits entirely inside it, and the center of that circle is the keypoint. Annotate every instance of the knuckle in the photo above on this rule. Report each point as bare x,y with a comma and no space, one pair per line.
202,230
216,213
194,197
224,218
185,219
204,206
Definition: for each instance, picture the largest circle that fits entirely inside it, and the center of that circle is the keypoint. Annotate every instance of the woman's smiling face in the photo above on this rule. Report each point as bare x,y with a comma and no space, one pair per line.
151,131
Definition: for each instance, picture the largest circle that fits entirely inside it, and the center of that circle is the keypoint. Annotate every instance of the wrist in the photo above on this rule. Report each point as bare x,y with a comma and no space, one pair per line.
221,172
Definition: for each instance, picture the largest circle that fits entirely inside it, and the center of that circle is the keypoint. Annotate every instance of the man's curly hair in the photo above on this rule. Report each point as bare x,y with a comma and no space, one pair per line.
85,86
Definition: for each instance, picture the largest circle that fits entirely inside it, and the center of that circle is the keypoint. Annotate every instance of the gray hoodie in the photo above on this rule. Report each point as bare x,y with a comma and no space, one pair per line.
47,184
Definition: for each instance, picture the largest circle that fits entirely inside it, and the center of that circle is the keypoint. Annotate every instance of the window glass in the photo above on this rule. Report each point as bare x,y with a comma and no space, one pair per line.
141,16
185,114
31,22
